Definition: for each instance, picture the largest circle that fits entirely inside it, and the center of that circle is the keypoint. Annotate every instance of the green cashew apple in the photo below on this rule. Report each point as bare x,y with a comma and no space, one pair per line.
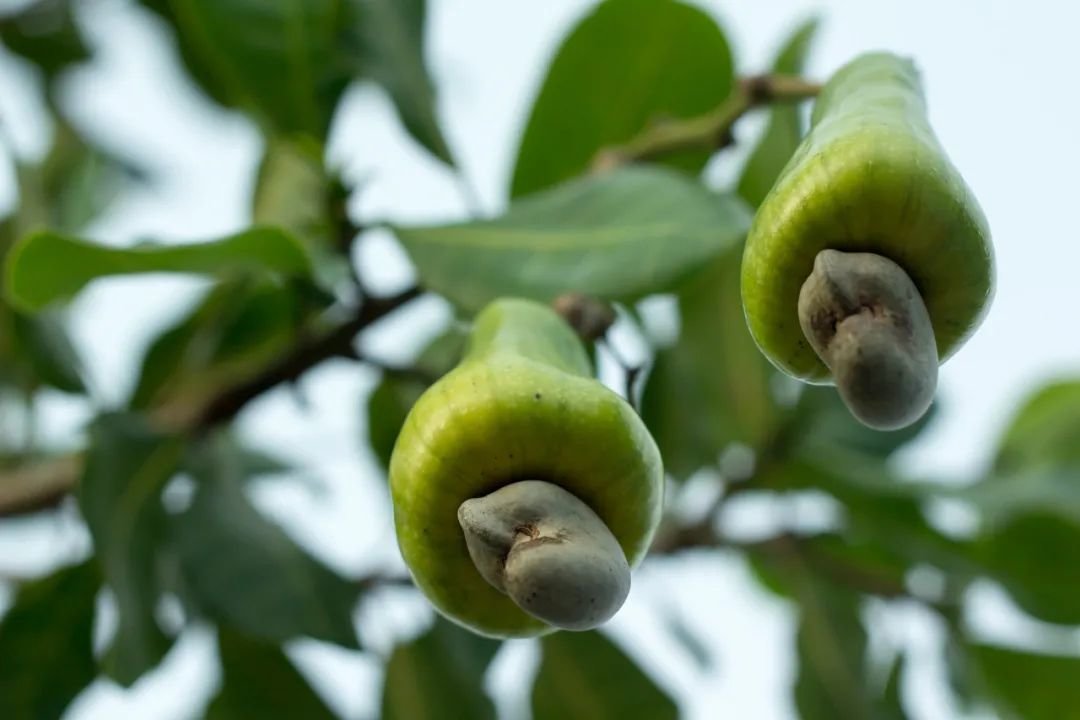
869,262
523,489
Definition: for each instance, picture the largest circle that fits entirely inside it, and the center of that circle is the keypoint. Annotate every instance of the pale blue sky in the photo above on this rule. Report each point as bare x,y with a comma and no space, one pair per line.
1000,80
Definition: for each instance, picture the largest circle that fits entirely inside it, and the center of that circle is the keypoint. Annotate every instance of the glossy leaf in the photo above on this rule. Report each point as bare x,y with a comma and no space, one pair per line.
284,62
259,682
46,644
390,401
786,126
618,236
242,570
626,65
1028,685
393,43
439,674
585,675
46,267
713,387
45,33
127,467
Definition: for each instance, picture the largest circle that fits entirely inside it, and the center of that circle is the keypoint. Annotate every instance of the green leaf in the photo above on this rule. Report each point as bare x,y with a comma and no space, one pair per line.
584,675
284,62
259,683
43,341
293,191
438,675
127,466
46,267
244,571
713,387
786,126
390,401
628,64
619,236
393,42
45,33
241,326
46,642
1043,432
1029,686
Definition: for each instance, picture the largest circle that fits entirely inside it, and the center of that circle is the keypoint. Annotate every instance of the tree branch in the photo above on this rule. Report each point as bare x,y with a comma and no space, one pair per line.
44,484
710,131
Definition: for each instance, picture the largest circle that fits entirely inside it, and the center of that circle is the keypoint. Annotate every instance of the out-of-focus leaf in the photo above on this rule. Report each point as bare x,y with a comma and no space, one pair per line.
127,466
832,683
892,707
439,675
259,682
585,675
619,236
393,43
1043,432
785,128
245,572
391,400
284,62
242,325
1029,686
46,642
713,387
45,267
43,341
293,191
45,33
628,64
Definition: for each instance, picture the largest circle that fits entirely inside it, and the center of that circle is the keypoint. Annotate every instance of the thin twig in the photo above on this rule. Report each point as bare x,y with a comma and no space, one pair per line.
710,131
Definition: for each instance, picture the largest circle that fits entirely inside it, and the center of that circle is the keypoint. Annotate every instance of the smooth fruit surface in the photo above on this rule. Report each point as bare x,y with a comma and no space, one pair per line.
870,176
522,405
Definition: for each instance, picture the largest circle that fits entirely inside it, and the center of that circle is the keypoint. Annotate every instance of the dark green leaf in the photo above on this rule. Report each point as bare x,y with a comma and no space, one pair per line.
439,675
893,702
623,235
46,266
391,400
259,682
42,340
786,127
241,326
393,42
285,62
45,33
628,64
46,644
244,571
127,467
1029,686
584,675
713,387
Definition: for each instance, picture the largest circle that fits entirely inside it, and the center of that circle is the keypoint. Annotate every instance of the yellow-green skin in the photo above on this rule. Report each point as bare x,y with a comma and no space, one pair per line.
522,405
870,176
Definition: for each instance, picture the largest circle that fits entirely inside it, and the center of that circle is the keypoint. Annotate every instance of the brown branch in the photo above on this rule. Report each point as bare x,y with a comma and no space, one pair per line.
710,131
42,485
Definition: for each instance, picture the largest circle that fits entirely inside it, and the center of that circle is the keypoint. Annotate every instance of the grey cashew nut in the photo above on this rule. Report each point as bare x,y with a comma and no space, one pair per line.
549,552
867,322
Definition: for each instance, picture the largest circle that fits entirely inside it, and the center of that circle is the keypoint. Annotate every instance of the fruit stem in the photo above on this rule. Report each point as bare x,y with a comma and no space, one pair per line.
867,322
548,551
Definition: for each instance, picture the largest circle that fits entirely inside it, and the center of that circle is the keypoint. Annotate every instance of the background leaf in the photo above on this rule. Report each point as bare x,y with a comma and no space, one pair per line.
618,236
46,266
127,467
244,571
45,33
626,65
43,341
46,644
585,675
438,675
1029,686
259,682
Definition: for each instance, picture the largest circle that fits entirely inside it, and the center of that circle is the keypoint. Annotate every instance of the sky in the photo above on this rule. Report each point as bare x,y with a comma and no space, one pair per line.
1000,84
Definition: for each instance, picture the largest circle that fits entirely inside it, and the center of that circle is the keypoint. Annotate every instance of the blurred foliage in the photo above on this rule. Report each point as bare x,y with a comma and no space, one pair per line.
167,503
